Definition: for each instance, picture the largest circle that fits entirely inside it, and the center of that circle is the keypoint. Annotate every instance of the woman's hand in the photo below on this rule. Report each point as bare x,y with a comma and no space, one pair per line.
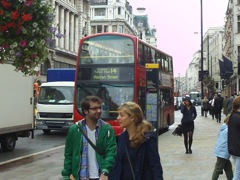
71,177
103,177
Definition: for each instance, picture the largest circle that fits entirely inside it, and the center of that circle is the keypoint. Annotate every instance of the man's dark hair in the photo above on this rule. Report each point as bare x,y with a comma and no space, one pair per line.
85,104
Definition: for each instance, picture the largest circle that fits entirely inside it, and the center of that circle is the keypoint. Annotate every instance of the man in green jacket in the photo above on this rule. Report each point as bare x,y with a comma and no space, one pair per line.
81,160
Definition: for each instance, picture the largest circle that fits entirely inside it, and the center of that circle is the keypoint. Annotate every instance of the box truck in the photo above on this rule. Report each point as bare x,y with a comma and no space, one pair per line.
16,109
55,100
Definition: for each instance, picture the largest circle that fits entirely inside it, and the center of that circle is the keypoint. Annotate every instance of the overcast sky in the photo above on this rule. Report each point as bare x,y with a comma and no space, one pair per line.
176,21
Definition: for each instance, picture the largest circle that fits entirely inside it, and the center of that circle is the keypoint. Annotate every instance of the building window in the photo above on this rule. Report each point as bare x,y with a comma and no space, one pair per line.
93,29
98,2
99,28
58,64
120,29
119,10
238,2
114,28
44,67
238,23
105,28
100,11
148,40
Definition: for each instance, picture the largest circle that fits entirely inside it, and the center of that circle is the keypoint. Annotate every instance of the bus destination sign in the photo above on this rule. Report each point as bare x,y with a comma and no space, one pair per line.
107,74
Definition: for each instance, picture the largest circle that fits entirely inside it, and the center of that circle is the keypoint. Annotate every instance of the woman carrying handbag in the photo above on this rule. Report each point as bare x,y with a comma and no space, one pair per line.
189,115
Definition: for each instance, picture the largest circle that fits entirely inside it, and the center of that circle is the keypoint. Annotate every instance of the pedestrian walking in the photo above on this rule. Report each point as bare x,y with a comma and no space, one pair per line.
90,147
212,110
222,154
234,136
189,115
137,152
205,105
218,105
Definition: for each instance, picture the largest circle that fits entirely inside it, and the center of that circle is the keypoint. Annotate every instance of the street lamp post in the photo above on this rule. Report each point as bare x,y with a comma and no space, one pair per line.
201,50
201,77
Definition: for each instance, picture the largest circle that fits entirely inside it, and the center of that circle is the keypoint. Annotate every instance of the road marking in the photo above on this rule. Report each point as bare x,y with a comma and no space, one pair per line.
33,154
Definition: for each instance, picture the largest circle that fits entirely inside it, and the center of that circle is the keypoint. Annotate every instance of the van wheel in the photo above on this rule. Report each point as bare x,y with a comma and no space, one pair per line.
46,131
8,143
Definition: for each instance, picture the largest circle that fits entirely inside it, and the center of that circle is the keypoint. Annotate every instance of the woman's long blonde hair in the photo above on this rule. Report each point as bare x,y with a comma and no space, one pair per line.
135,112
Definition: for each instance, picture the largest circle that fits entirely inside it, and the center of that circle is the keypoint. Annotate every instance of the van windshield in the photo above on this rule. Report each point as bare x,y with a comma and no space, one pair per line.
56,95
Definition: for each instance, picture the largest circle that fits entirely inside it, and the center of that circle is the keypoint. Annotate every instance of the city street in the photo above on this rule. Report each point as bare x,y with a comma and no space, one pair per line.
67,60
176,164
27,146
196,166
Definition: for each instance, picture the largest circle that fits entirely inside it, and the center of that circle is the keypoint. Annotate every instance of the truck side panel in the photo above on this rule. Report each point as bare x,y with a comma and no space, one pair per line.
16,97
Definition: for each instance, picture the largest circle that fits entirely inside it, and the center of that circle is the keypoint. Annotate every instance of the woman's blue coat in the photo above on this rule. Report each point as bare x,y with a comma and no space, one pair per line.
221,147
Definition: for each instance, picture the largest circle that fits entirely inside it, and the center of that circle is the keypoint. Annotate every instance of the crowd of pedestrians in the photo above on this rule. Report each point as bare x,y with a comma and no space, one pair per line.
91,151
227,143
216,105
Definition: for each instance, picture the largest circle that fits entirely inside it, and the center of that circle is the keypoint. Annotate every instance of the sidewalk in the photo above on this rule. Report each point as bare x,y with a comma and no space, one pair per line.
196,166
176,164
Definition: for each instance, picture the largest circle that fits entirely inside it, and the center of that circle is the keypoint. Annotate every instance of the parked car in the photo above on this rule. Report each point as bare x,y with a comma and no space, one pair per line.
177,102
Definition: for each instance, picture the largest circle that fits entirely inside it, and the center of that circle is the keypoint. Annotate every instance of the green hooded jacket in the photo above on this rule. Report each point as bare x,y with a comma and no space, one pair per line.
106,143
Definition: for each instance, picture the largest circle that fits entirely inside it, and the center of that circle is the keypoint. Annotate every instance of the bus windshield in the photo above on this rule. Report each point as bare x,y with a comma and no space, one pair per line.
112,95
107,49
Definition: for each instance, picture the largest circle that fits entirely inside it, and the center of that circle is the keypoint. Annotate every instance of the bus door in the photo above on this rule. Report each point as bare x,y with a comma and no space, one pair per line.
152,95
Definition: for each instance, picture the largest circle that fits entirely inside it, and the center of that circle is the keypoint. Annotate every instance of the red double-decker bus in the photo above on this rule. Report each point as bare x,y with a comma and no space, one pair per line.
120,68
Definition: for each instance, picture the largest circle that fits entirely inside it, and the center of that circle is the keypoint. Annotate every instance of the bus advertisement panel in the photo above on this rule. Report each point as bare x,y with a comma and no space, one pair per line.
112,67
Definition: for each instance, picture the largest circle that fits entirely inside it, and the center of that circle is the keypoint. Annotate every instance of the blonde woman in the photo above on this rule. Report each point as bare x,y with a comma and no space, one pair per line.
137,151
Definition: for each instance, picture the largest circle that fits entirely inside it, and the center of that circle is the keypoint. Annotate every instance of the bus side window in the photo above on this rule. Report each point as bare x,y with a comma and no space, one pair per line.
140,54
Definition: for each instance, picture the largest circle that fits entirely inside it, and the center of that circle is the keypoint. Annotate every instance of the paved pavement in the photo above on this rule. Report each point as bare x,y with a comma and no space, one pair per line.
196,166
176,164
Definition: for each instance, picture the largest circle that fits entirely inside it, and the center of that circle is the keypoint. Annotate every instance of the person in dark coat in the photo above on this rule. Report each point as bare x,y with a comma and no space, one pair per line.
229,103
218,105
205,106
189,115
212,109
234,136
137,150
